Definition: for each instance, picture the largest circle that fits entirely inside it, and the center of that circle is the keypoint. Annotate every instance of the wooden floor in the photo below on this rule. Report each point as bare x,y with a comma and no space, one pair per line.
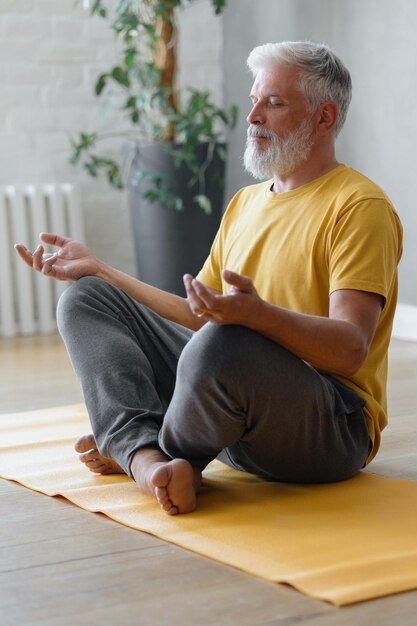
60,565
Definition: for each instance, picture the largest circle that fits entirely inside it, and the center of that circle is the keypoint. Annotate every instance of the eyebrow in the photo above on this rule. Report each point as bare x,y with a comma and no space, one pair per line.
269,95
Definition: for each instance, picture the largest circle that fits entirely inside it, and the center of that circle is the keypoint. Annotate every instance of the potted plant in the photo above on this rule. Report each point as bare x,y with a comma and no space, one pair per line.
177,170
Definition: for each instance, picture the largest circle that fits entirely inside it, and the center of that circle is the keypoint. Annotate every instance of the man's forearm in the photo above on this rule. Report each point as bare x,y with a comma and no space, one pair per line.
166,304
328,344
338,343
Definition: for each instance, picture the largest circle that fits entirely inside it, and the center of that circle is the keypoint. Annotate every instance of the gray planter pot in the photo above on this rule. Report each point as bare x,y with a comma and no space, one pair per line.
170,243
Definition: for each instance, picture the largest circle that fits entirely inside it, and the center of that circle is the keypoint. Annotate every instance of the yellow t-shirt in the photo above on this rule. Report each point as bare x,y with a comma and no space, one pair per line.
339,231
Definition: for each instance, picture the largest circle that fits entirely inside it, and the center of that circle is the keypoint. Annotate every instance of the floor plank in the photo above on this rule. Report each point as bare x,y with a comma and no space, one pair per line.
60,565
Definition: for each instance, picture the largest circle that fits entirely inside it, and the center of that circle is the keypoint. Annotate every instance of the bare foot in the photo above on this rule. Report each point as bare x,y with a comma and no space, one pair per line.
174,483
95,462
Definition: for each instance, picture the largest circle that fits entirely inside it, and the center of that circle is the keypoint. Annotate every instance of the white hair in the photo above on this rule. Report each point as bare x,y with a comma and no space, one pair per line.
283,154
323,75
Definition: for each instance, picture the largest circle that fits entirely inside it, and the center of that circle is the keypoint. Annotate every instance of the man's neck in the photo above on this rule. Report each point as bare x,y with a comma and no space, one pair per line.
304,174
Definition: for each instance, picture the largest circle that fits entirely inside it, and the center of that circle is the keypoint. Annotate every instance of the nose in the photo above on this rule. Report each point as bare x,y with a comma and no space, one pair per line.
256,115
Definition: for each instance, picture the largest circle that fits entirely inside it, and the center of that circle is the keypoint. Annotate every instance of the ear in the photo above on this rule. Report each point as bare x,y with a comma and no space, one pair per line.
328,113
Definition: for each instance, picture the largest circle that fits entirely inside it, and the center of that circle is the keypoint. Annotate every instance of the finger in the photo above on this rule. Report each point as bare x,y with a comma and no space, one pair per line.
54,240
48,265
195,302
24,254
37,258
243,283
187,279
206,297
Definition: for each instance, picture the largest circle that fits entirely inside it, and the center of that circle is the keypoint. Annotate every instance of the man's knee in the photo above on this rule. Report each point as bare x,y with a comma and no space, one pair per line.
70,303
217,350
240,357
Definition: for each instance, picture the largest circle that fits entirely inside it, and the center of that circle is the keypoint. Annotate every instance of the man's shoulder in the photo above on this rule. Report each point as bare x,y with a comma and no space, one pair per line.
360,196
359,185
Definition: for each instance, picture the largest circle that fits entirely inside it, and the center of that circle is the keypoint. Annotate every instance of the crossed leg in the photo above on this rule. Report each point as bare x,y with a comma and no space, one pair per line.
223,388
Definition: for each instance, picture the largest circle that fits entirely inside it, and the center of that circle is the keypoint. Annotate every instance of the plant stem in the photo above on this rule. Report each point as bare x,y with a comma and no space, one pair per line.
166,61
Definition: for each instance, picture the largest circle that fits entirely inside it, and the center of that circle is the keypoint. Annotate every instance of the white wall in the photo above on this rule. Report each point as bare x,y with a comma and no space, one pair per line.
376,39
200,57
50,55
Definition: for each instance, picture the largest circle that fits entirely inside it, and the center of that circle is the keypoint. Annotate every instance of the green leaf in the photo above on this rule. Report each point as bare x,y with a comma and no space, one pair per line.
100,84
130,57
74,157
125,22
151,32
222,115
88,139
98,8
162,8
234,112
204,202
91,169
114,176
218,6
221,152
130,103
152,196
178,204
120,76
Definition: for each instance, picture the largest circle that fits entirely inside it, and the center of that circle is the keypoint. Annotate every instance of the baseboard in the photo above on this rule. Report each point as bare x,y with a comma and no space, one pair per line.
405,322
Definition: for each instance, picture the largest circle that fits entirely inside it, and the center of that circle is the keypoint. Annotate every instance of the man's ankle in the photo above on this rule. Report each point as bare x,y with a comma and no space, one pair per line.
142,462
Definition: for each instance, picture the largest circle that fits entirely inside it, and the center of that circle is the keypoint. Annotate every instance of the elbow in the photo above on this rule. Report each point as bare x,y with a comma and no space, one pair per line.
355,359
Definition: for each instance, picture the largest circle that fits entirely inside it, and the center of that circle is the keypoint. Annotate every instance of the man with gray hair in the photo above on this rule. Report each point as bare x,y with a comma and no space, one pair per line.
276,362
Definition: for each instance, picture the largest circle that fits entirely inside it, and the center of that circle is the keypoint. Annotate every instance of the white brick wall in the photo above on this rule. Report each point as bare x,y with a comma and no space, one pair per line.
201,49
50,54
16,6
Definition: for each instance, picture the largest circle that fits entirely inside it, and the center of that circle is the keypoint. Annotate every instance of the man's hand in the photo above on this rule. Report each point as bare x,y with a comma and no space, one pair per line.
72,261
239,306
338,343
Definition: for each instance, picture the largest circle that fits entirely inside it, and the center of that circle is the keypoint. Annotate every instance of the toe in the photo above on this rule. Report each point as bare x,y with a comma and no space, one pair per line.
85,443
161,476
176,479
161,494
87,457
168,507
95,464
95,461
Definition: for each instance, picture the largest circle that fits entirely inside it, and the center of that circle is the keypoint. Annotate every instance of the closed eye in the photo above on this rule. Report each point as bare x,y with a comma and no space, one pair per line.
272,102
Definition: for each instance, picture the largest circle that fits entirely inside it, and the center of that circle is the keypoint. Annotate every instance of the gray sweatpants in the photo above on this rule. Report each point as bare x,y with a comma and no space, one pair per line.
223,392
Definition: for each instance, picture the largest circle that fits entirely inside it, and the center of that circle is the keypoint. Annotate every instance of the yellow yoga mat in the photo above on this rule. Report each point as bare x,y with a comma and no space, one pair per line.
343,542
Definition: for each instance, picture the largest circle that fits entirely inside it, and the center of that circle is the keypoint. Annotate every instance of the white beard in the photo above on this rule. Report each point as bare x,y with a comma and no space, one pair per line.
282,156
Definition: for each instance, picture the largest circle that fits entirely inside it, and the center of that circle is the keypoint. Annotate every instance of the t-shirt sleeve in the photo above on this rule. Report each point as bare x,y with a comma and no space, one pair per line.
365,248
210,273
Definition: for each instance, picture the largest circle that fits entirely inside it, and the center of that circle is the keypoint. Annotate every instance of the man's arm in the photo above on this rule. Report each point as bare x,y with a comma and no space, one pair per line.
168,305
338,343
74,260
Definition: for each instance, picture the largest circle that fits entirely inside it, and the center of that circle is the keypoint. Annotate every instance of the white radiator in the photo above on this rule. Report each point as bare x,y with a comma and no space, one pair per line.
27,298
